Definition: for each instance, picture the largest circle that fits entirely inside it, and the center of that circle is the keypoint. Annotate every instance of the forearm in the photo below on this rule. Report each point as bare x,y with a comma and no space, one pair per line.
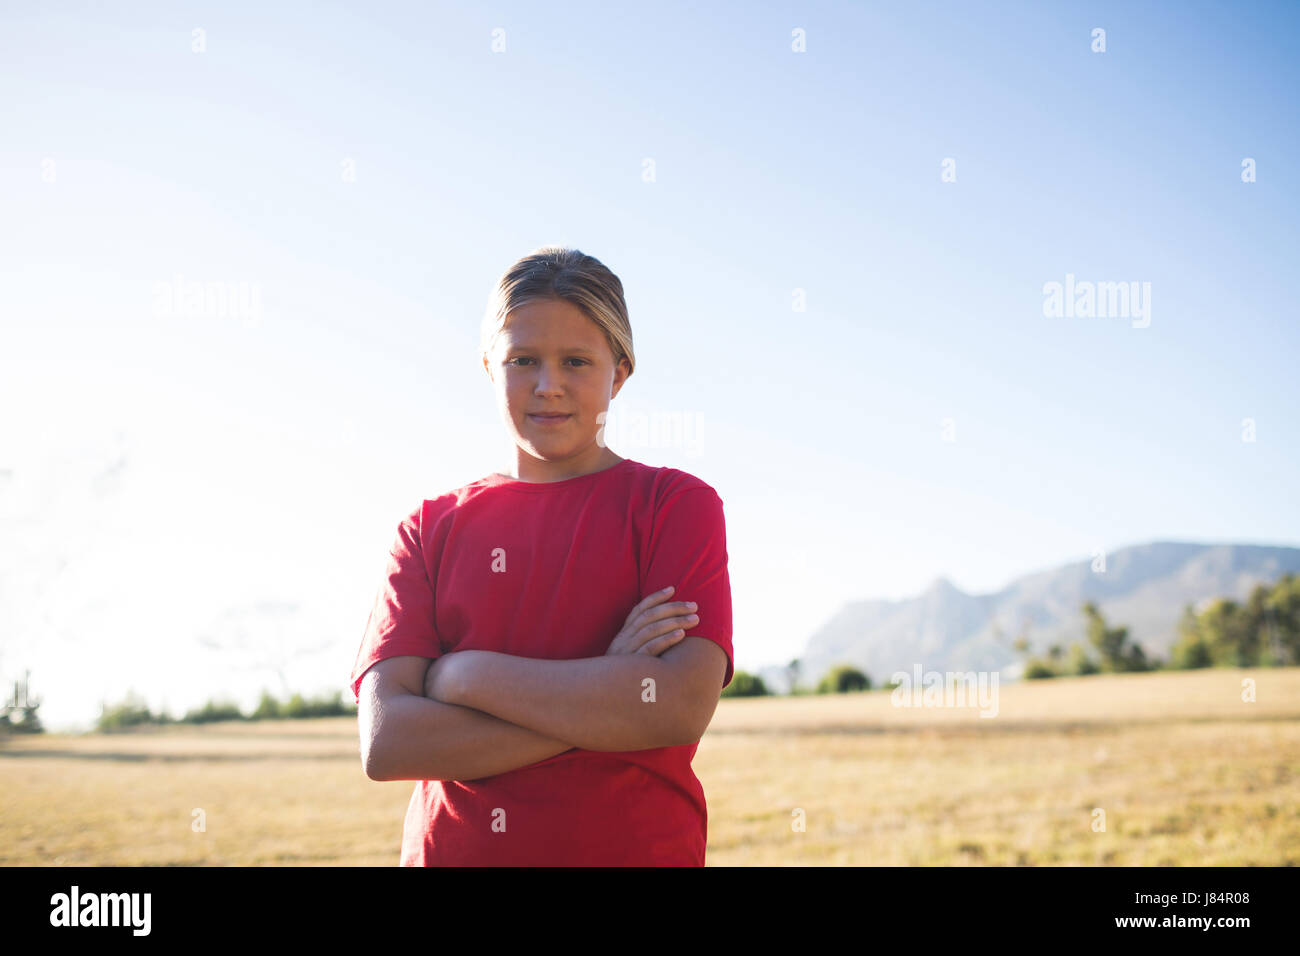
427,739
599,703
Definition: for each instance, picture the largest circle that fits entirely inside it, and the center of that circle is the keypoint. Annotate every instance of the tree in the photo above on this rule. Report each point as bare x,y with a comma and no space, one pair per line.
1080,663
1282,617
1115,654
20,714
1262,631
1191,650
1035,668
1223,626
792,672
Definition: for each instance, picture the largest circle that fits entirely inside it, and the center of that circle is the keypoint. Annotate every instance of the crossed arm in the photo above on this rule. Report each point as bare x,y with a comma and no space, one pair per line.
481,713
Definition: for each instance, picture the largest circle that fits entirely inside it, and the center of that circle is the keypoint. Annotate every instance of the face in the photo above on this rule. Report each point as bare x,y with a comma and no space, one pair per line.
551,358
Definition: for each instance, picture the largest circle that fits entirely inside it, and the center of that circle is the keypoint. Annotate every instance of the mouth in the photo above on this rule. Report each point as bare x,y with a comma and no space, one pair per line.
549,419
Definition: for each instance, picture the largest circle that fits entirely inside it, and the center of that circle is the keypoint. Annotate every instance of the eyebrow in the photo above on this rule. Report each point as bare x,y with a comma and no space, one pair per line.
529,348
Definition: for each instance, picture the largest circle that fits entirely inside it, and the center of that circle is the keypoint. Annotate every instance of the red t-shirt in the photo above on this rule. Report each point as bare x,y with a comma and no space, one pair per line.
579,554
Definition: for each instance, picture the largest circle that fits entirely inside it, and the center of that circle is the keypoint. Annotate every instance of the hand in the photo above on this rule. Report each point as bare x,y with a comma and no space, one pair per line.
439,679
653,626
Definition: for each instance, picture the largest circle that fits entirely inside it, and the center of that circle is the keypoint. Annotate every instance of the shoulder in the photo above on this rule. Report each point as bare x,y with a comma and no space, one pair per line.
667,482
430,512
670,496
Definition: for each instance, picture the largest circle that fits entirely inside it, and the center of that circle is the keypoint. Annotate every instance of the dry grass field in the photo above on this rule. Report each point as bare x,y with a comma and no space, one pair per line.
1186,772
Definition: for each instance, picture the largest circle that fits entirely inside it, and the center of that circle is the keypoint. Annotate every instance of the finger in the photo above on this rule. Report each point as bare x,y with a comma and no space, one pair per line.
660,644
654,631
663,594
663,611
650,600
643,635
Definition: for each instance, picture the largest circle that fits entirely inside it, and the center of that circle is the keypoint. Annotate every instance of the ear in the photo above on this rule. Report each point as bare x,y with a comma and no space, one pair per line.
487,367
621,372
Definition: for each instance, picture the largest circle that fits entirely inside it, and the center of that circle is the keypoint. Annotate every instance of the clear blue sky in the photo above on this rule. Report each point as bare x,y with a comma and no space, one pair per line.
190,503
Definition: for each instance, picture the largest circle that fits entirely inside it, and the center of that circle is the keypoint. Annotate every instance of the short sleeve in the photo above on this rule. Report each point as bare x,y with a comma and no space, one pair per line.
688,549
401,619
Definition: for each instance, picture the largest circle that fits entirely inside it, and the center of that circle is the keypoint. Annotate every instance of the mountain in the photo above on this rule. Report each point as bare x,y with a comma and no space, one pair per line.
1143,588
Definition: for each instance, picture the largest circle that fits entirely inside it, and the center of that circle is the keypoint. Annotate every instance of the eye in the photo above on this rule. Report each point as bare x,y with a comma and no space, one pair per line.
526,358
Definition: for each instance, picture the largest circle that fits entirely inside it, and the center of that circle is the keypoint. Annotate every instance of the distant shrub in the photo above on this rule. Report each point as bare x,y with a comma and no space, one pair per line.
1037,670
1192,654
330,705
214,711
131,712
745,684
268,708
843,679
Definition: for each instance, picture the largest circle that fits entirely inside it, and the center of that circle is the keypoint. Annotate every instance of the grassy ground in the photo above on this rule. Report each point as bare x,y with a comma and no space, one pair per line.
1185,771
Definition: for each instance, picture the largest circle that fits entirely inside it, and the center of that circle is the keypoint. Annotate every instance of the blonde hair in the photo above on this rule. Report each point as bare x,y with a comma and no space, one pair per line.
554,272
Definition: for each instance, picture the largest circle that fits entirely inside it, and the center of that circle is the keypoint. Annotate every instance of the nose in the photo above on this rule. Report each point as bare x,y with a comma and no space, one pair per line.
548,382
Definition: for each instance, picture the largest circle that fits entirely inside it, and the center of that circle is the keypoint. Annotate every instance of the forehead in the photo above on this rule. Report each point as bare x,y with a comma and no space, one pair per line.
551,323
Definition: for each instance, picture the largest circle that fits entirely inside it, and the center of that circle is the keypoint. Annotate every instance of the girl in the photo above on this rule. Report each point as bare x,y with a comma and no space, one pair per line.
549,643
